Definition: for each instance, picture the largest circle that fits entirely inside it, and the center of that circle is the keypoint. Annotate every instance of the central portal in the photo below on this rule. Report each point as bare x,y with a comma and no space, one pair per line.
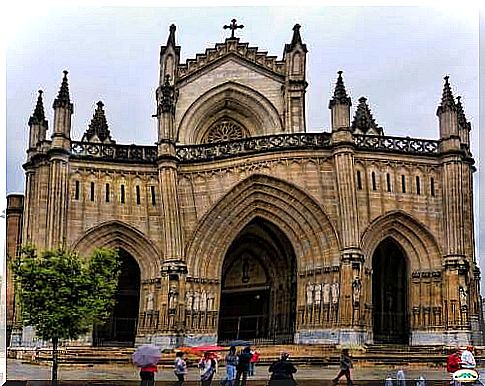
258,299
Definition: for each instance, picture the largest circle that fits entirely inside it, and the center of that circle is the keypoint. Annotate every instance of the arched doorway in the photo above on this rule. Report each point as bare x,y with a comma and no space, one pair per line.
258,295
390,293
120,329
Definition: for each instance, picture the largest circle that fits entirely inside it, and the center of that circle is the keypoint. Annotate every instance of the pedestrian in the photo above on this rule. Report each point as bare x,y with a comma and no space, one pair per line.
388,381
401,378
207,367
453,363
467,358
147,375
180,368
252,363
242,368
231,363
282,372
345,366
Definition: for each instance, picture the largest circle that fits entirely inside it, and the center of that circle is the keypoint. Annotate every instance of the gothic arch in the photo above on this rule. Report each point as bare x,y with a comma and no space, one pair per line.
294,212
415,239
230,100
118,234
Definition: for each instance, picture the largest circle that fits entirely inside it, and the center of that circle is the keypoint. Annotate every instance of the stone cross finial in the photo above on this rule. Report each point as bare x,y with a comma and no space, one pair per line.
233,26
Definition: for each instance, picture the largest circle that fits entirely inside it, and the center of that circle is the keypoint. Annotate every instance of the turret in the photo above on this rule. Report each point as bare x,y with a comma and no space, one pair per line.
340,106
294,55
63,109
38,125
447,113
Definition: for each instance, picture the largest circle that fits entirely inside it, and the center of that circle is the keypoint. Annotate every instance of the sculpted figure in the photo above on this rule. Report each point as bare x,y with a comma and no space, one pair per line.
356,287
189,300
309,294
196,300
326,293
335,292
203,301
150,299
318,294
463,296
172,297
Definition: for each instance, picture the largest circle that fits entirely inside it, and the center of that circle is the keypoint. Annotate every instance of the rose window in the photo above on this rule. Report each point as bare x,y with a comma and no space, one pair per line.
225,131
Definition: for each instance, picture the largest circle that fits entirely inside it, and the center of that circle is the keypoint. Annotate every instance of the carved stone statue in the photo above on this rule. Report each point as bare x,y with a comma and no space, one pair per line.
309,294
203,301
150,298
335,292
326,293
463,296
172,297
196,300
189,300
356,287
318,294
210,301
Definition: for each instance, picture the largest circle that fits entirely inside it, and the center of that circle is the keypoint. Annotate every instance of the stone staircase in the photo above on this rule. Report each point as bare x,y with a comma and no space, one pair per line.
302,355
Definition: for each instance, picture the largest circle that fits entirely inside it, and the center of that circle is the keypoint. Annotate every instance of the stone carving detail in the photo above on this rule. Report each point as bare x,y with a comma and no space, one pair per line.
189,300
172,297
397,144
318,294
253,145
103,151
463,296
225,131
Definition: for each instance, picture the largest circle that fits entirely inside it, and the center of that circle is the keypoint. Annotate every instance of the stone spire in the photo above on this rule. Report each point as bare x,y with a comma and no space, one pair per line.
364,122
340,94
447,100
460,112
63,99
296,40
171,36
38,117
98,130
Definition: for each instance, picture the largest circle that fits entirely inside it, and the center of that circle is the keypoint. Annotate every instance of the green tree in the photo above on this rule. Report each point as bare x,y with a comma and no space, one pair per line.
62,295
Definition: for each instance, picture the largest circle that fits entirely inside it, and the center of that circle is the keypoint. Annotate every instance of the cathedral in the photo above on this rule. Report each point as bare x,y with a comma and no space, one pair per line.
240,224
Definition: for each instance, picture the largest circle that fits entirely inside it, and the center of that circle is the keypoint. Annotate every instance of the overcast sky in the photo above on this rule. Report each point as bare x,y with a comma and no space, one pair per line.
395,56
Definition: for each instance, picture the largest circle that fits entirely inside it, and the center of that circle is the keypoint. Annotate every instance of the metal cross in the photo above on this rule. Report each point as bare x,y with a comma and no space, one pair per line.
233,26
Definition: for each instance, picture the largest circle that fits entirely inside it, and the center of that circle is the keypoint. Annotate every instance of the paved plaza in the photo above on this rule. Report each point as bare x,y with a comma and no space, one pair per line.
19,370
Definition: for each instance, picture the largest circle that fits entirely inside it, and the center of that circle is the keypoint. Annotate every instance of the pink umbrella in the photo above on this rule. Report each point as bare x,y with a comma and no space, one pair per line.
146,355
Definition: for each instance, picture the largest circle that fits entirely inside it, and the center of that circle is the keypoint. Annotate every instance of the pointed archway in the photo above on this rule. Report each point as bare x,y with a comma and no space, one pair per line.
390,293
120,328
258,292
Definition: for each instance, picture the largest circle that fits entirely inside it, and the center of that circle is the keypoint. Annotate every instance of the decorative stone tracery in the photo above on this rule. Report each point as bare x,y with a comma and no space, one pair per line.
225,130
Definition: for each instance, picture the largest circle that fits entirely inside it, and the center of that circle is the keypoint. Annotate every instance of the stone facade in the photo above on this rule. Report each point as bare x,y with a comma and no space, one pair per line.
236,201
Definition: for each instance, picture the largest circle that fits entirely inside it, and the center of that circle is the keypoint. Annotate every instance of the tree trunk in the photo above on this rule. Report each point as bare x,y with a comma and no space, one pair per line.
54,361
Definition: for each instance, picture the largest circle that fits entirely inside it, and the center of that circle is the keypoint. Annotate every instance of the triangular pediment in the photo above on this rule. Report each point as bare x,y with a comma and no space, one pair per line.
239,52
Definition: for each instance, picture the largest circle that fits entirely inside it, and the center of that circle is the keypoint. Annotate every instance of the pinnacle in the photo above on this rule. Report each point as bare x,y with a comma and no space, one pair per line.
340,94
38,116
171,36
98,126
447,100
296,39
364,122
63,99
461,113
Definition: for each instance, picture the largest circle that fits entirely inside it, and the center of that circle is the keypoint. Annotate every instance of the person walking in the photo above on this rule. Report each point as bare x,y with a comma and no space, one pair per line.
282,372
207,367
242,368
252,363
231,363
180,368
345,366
147,375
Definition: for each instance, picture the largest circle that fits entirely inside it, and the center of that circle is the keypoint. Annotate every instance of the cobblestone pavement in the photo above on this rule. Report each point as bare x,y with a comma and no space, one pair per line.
18,370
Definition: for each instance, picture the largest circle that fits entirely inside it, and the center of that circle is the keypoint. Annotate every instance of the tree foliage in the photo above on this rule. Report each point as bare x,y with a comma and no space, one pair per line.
63,295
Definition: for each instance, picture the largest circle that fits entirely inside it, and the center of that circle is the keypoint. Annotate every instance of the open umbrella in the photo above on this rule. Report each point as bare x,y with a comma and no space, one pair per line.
209,348
146,355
